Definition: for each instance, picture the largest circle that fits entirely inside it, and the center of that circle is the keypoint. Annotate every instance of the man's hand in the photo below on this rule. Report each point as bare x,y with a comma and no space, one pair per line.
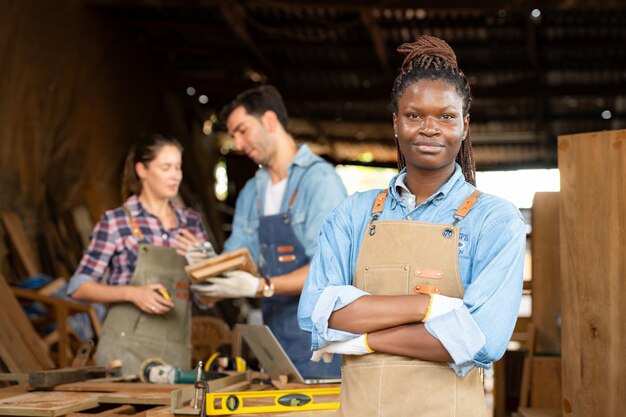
233,284
356,346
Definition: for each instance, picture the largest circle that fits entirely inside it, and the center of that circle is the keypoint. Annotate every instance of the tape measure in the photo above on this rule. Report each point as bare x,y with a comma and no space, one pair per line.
251,402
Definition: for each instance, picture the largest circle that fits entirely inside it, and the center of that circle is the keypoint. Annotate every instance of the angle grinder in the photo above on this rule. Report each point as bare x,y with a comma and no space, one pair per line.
156,371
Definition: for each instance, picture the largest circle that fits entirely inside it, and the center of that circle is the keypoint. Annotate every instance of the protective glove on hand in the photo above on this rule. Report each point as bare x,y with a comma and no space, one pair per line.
199,252
441,304
233,284
356,346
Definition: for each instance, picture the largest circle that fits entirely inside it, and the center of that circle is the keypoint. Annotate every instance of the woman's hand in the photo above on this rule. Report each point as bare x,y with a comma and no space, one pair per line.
185,240
148,298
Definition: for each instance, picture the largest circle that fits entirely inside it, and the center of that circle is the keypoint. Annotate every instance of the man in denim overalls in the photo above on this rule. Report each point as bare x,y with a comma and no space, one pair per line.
278,216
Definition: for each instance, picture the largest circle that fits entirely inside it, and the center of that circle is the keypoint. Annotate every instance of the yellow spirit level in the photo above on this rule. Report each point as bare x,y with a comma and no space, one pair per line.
251,402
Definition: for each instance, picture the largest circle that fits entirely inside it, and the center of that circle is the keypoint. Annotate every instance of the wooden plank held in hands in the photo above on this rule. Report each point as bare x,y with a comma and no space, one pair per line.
239,259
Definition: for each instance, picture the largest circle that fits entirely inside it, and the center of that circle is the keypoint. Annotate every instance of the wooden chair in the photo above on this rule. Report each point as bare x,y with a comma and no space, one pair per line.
540,394
208,334
21,349
61,309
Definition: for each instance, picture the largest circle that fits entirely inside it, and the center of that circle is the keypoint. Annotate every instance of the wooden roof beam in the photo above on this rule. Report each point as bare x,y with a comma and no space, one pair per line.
377,39
234,15
351,5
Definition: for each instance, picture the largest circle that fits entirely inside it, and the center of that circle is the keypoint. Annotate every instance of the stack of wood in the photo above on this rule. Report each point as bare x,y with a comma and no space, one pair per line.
60,242
55,393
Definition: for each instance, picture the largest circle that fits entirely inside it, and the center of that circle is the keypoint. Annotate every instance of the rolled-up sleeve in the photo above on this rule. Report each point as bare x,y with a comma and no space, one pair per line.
331,299
97,256
478,334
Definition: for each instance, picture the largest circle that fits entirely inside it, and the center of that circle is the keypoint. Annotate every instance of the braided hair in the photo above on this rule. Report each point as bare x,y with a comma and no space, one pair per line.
432,58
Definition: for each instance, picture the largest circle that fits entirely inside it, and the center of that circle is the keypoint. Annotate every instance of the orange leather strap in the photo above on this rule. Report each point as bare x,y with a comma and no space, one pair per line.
466,206
134,227
426,289
379,203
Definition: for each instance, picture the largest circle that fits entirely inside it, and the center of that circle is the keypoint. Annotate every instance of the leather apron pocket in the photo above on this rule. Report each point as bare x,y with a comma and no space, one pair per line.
386,279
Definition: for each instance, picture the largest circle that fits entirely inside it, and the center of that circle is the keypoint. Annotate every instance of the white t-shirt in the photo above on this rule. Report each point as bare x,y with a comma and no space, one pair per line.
274,197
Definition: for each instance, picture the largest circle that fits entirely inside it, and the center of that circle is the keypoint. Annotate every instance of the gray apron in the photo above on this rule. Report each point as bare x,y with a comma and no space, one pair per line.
132,335
400,258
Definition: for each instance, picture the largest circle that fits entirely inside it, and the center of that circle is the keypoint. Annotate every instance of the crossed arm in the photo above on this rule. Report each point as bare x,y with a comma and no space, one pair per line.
393,325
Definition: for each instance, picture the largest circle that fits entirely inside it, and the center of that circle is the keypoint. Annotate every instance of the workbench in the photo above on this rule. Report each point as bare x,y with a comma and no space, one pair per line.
104,398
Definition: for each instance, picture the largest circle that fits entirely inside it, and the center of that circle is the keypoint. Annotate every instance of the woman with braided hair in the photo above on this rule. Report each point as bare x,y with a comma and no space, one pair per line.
418,285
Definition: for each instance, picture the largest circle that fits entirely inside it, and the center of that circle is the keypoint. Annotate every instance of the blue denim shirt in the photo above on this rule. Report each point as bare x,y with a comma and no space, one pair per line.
492,244
318,193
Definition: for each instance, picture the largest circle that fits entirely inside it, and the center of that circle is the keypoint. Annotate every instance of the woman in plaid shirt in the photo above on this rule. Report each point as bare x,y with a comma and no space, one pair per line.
140,245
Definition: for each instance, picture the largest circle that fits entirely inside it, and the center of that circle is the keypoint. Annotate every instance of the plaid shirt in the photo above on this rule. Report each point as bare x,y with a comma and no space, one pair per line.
113,245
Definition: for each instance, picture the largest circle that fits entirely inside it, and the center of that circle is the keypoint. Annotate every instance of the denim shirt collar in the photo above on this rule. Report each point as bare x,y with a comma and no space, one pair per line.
398,183
303,159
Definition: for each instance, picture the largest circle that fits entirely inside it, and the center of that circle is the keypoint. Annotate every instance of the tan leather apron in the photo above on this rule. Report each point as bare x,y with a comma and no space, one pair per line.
400,258
131,335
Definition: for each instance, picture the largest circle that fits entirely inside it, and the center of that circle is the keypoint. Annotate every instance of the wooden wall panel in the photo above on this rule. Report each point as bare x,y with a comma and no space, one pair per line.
76,89
593,270
546,282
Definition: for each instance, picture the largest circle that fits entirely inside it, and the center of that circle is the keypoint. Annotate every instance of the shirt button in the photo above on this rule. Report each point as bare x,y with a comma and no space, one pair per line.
164,235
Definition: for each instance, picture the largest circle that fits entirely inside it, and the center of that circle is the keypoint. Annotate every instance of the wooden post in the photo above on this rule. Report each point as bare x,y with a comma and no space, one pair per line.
546,284
593,266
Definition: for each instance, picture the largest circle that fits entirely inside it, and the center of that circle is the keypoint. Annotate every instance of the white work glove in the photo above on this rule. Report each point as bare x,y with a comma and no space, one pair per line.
441,304
233,284
356,346
199,252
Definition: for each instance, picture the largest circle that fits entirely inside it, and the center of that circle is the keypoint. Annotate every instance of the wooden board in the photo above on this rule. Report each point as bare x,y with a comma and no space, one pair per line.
21,378
15,229
115,411
136,397
545,391
160,412
83,223
546,270
105,385
47,379
47,404
22,350
239,259
592,219
13,391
